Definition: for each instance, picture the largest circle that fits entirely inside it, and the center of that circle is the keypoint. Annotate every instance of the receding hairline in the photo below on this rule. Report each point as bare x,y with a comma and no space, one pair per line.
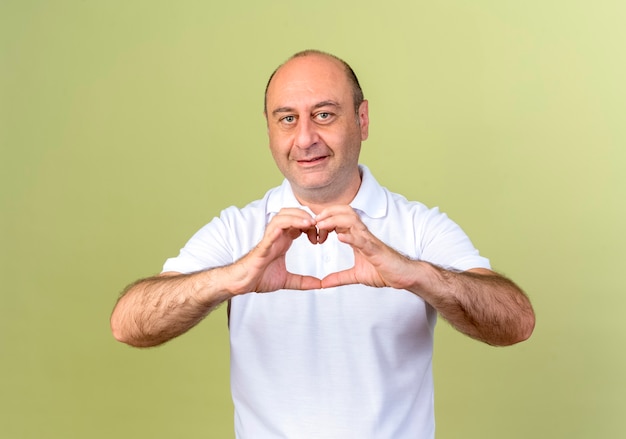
357,92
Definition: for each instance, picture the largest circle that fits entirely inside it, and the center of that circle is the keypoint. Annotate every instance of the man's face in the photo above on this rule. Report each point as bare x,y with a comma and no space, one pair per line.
314,131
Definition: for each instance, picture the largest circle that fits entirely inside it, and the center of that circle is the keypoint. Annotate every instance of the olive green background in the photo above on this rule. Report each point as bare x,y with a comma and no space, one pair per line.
127,125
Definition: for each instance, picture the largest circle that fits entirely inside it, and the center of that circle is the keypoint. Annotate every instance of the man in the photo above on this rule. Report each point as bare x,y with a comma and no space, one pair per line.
340,344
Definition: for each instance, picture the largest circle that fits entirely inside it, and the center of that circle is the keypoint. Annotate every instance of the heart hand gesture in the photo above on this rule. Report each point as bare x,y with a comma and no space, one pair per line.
264,269
375,263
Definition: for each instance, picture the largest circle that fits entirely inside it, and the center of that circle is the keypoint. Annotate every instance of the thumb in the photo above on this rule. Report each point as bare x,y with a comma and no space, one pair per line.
339,278
301,282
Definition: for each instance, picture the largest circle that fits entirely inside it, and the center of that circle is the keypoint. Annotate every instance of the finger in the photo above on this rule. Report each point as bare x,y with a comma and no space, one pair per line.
303,223
339,217
298,220
293,216
334,211
350,230
339,278
280,233
300,282
311,233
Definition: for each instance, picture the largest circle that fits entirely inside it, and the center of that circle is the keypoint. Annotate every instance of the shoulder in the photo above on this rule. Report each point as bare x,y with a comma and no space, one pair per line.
400,209
224,239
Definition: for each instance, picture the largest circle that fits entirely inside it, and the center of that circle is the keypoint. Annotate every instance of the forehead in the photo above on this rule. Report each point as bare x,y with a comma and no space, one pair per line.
308,79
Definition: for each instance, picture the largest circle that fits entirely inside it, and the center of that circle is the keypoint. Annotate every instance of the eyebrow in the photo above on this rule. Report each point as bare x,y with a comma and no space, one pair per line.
321,104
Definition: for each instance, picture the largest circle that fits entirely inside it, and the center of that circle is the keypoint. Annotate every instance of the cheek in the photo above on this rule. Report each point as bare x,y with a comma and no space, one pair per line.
348,141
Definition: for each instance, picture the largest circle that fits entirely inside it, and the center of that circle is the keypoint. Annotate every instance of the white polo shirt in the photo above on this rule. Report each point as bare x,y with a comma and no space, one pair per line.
339,363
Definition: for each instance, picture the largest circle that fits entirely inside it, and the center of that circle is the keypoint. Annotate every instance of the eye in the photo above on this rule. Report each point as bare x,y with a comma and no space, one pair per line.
288,119
324,116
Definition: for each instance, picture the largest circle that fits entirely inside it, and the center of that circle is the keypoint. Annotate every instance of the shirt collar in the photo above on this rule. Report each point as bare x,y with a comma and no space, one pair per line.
370,199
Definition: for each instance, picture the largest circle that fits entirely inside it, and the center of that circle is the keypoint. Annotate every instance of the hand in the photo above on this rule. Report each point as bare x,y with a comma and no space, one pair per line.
375,263
263,269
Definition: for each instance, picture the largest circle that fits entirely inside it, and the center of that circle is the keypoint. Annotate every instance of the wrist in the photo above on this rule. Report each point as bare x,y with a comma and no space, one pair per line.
211,288
426,278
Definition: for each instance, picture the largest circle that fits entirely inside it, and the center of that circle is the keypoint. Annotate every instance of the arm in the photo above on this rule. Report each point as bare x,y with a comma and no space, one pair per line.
479,303
154,310
157,309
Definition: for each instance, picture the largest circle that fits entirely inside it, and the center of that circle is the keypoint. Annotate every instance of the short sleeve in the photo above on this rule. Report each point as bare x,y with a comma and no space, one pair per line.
444,243
207,248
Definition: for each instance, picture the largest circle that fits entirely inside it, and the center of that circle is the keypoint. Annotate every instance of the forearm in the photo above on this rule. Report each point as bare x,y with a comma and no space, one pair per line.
481,304
157,309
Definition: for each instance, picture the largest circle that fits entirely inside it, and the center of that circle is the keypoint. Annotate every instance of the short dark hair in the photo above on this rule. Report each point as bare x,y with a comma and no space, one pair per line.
357,92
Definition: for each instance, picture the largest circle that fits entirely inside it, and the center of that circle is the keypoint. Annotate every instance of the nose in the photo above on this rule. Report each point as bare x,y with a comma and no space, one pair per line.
306,134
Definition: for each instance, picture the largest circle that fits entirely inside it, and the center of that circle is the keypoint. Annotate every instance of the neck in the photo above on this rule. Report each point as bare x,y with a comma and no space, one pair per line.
320,198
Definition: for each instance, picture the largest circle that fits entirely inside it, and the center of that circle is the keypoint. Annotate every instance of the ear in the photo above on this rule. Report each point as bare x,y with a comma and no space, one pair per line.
364,119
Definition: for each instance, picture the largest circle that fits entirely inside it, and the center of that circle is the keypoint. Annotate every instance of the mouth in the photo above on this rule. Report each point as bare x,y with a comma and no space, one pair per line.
312,160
